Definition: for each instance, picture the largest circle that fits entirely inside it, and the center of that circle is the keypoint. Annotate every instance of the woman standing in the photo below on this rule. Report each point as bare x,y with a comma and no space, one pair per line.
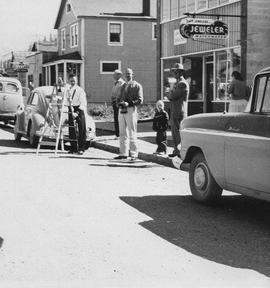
238,91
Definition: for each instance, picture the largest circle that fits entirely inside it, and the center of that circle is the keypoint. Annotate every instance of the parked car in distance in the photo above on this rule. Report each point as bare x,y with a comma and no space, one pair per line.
30,118
230,151
11,96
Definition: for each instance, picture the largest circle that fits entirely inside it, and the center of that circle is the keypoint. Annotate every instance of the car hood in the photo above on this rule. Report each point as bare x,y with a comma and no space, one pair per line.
214,121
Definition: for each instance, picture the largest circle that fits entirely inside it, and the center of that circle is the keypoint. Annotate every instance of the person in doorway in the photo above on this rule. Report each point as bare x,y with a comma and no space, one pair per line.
77,109
116,94
178,97
160,125
238,90
131,97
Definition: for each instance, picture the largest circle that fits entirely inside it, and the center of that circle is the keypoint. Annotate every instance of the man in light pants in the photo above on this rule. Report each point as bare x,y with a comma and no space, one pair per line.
131,97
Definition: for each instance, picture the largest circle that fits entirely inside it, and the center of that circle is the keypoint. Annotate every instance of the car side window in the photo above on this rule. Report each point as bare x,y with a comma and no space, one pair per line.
259,93
11,87
266,99
34,99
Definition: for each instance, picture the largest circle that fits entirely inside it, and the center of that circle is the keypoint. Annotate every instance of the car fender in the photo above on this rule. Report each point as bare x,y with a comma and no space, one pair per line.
211,144
36,121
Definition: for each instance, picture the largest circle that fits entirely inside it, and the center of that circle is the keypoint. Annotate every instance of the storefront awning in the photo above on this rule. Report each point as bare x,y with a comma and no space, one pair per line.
71,56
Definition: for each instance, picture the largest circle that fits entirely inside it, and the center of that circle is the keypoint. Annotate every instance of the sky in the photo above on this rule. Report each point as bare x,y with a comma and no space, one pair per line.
24,21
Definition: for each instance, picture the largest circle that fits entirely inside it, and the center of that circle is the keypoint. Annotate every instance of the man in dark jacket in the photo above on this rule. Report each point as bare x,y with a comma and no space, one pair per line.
178,97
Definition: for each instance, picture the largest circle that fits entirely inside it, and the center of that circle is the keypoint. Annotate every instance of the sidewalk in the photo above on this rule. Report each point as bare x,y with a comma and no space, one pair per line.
105,140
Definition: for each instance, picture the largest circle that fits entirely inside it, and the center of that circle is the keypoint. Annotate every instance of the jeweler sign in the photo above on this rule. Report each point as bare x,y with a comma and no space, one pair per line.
203,28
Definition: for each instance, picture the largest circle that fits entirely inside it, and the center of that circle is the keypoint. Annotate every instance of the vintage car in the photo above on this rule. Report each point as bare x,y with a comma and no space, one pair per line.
30,118
11,96
230,151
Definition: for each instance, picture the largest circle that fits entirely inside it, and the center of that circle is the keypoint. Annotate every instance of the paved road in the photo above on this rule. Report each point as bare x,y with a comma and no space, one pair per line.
76,222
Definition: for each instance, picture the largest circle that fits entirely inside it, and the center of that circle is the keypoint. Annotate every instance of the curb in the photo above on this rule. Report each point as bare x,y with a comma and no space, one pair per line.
165,161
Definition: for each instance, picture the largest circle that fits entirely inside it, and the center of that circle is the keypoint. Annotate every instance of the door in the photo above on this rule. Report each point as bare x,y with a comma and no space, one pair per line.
13,97
209,85
1,97
247,147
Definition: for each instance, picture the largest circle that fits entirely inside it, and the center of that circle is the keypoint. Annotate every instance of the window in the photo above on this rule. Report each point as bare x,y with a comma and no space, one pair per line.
266,100
213,3
108,67
68,7
260,91
191,5
165,15
182,7
34,99
154,31
63,39
115,33
201,4
74,35
12,88
174,9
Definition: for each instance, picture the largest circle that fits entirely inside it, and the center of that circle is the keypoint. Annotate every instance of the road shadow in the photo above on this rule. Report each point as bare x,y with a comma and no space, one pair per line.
235,232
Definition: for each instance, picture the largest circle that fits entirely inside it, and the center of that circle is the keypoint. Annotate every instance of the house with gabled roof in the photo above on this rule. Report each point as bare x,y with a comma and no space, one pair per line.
96,37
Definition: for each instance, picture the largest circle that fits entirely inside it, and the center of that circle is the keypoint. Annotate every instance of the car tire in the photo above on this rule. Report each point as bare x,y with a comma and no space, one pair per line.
33,139
204,187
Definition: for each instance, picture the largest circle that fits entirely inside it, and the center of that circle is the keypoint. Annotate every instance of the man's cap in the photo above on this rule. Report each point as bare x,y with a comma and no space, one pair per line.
117,71
178,66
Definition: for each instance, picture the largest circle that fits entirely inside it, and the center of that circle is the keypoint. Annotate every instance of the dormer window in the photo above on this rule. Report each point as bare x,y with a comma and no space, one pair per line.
68,7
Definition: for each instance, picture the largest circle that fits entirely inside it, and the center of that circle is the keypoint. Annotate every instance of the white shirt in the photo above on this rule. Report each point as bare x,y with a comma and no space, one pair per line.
78,97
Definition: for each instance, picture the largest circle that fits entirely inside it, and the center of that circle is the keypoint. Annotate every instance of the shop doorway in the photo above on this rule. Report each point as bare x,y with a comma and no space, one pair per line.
209,84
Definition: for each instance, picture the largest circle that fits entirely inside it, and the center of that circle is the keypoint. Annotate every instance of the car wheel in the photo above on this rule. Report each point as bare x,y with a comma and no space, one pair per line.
33,138
204,187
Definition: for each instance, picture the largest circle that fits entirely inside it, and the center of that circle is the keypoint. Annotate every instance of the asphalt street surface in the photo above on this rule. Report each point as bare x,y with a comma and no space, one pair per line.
78,221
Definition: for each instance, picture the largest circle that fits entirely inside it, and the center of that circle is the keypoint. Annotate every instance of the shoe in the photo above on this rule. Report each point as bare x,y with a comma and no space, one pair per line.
173,155
80,152
120,157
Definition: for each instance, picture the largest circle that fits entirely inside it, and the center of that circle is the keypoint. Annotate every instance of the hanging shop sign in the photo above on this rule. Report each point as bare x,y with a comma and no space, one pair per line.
203,28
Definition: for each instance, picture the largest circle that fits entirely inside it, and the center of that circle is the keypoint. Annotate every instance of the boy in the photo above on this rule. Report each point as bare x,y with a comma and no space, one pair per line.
160,125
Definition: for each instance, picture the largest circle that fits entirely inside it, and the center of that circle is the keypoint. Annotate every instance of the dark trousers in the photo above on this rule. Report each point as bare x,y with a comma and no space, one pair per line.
115,116
161,140
81,135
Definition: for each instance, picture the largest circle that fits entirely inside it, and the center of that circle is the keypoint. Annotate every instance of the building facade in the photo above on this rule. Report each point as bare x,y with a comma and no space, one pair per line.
94,40
210,60
43,51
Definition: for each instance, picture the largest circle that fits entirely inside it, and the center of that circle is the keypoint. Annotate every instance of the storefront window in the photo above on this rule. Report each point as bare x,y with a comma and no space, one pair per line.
166,10
226,64
174,9
193,69
182,7
168,76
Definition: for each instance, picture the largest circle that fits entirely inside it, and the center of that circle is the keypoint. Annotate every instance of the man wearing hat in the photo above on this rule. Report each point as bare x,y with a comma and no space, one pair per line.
178,96
116,94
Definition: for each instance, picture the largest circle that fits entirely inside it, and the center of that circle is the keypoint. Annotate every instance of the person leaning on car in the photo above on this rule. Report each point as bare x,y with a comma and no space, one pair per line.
77,99
178,95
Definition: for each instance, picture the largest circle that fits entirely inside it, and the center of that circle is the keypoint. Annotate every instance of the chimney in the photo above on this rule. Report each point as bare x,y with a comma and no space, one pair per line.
146,8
